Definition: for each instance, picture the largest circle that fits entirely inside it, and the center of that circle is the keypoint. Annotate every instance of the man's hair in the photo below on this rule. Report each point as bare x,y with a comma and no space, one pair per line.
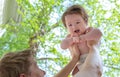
15,63
75,9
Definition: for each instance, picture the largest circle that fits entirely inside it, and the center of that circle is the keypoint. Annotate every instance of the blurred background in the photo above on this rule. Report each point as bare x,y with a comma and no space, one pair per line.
37,24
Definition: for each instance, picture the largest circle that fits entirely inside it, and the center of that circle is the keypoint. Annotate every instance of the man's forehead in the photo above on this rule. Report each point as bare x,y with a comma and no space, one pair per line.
32,59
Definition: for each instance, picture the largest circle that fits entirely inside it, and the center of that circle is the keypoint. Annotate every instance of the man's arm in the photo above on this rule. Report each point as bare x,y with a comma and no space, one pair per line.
69,67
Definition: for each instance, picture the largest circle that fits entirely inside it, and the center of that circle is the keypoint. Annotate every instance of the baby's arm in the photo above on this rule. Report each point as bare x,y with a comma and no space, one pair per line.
92,34
67,42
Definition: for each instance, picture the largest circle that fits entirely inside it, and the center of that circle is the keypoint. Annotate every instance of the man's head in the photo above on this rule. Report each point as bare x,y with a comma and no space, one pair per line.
75,19
20,64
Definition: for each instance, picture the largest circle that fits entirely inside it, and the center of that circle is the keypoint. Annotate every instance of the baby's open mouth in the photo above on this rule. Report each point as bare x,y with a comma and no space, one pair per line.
77,31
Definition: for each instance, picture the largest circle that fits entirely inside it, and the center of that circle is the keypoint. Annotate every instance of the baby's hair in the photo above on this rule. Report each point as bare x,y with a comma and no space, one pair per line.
75,9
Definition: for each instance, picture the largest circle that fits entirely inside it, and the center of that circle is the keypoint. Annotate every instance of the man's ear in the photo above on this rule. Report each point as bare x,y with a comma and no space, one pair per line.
22,75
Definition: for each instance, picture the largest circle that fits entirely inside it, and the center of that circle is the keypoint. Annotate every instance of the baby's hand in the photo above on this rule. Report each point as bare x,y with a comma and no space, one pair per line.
76,39
81,39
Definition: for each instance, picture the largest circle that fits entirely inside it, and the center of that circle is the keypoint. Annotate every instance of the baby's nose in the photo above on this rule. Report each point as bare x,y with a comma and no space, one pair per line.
73,27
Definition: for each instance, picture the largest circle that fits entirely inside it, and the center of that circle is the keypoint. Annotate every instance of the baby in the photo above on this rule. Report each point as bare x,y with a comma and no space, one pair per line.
75,19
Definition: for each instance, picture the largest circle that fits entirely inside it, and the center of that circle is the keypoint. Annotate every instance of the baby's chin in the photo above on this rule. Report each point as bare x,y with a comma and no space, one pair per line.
75,34
81,33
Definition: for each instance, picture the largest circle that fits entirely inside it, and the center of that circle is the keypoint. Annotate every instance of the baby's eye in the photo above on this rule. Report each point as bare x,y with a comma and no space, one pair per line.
70,24
77,22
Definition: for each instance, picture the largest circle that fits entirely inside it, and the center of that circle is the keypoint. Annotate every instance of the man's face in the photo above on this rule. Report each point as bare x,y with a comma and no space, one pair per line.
35,70
75,24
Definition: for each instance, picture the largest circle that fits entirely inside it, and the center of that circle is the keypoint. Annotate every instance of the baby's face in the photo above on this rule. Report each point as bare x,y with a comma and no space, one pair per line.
75,24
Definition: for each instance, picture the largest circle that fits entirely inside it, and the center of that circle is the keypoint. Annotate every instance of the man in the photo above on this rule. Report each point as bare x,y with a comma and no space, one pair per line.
20,64
23,64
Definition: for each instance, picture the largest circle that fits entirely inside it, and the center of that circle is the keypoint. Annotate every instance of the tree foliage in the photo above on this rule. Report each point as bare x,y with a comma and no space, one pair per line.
42,29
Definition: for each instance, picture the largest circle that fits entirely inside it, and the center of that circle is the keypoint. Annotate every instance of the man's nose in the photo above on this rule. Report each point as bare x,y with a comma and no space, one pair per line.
44,72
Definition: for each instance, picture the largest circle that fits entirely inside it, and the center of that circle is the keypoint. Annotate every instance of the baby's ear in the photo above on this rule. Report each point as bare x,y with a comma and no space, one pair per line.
22,75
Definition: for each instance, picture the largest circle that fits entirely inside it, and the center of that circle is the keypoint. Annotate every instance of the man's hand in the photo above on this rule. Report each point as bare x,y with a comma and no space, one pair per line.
76,52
